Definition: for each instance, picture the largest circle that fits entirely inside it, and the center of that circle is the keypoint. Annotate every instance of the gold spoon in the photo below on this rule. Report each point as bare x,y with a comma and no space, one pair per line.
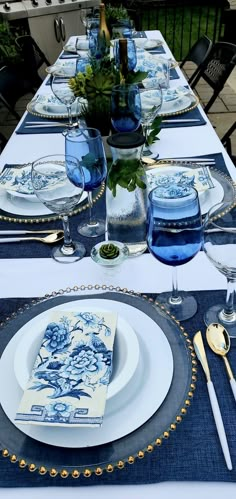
49,239
219,341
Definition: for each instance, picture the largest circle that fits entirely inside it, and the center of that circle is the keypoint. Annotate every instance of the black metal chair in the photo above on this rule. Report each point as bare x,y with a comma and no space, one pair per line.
3,142
33,58
216,69
226,141
11,88
197,54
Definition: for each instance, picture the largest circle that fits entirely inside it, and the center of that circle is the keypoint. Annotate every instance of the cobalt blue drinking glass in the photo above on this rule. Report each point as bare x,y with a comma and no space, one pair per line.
125,108
174,238
87,147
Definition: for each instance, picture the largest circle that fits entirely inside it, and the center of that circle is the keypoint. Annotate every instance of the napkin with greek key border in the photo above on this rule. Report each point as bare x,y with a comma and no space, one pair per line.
69,380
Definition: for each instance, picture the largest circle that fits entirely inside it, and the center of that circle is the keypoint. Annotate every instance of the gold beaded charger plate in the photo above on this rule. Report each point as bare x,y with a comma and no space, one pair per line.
18,209
114,454
224,190
48,106
180,105
121,416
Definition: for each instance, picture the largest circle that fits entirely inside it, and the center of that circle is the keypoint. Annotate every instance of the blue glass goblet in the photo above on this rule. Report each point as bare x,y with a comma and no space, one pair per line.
87,147
125,108
174,238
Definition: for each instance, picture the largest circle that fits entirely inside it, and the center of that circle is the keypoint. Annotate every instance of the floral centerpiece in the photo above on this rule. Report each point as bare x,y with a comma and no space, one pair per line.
95,86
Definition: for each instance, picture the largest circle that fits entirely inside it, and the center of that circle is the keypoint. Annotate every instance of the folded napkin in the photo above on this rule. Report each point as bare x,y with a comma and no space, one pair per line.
69,380
17,178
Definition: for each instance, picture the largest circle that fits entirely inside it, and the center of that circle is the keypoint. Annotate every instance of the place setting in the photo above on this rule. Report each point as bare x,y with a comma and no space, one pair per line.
20,202
123,432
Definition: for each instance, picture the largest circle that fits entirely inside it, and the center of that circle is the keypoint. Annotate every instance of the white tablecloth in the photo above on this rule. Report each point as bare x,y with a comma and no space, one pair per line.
35,277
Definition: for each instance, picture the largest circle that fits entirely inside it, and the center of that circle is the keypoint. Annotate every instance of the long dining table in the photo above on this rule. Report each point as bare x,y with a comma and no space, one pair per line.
190,461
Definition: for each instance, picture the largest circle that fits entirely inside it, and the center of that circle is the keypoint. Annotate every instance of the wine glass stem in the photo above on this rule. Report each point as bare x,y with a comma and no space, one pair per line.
175,299
145,133
69,116
228,311
68,243
90,203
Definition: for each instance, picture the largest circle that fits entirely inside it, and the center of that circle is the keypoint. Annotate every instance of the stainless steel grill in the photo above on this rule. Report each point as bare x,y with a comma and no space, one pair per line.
50,22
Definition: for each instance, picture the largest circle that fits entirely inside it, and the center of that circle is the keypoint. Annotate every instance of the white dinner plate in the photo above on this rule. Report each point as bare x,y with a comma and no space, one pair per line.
207,198
125,351
146,44
126,412
22,206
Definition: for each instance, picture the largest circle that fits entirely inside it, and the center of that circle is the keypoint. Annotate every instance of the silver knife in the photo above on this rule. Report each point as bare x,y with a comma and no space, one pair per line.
182,120
18,232
47,126
201,355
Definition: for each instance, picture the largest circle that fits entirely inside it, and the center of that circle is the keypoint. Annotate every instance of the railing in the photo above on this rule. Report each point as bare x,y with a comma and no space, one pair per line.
181,22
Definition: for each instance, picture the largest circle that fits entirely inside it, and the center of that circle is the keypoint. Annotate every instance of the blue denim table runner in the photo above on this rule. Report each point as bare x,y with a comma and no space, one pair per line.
40,250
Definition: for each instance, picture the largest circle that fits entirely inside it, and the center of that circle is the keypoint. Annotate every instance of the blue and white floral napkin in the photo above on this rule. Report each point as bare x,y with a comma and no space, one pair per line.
69,380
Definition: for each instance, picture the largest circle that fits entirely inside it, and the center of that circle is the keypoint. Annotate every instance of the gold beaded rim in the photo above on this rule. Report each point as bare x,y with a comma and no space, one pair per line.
194,103
150,447
223,176
51,218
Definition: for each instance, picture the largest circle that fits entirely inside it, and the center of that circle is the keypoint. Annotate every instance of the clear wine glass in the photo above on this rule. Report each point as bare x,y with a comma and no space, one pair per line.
86,17
174,238
87,146
219,244
151,102
53,188
125,108
61,89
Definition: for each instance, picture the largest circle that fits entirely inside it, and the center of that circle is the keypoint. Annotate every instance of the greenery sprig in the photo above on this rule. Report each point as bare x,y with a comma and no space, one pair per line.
155,129
127,174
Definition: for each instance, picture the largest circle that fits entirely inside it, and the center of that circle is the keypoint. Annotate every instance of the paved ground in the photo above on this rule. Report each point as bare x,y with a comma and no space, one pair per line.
222,114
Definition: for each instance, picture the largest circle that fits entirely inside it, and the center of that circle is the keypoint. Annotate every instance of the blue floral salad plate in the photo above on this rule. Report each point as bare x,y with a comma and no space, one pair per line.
127,410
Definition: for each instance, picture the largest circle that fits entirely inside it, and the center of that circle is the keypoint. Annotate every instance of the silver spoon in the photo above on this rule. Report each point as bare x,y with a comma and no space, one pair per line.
219,341
49,239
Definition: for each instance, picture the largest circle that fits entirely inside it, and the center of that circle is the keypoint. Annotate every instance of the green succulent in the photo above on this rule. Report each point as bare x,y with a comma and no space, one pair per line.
109,251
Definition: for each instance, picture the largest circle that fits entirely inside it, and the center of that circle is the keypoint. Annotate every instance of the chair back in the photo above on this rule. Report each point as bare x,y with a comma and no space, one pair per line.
216,68
33,57
198,54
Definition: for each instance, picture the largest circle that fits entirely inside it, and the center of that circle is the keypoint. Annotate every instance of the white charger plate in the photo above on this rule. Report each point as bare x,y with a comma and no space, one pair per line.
125,351
124,413
206,198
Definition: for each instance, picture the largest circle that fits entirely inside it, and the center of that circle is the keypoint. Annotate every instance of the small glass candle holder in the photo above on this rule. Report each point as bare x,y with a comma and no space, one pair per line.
109,254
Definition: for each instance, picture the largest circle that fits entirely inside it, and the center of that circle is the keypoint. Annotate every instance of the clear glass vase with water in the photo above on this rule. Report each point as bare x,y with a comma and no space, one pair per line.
126,194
